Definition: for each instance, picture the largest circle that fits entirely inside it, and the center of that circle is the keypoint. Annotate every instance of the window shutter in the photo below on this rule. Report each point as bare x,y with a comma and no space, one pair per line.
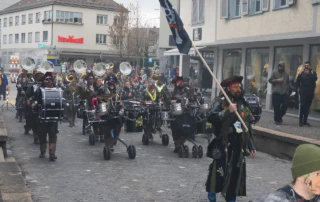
245,7
201,11
314,1
194,12
265,5
291,2
252,7
224,9
276,4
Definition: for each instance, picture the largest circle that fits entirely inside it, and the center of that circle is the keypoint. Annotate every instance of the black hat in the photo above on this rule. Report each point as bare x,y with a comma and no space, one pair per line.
111,77
230,80
177,78
46,75
89,74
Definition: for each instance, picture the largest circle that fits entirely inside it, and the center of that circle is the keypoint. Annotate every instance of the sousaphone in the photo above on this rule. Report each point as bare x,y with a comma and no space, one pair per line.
79,66
99,69
125,68
28,63
46,66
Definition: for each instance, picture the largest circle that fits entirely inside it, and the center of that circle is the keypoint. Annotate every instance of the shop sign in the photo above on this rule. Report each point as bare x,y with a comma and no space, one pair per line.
70,39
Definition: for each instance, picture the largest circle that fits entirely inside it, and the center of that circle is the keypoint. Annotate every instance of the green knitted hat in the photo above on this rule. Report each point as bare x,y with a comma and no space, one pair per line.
306,160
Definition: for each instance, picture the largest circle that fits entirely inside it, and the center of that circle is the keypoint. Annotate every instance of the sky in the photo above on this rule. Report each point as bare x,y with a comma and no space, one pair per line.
148,9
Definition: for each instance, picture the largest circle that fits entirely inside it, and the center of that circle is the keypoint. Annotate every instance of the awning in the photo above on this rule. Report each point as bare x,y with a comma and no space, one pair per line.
175,51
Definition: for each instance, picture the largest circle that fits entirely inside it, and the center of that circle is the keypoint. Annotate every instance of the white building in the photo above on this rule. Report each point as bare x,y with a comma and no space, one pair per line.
58,30
250,37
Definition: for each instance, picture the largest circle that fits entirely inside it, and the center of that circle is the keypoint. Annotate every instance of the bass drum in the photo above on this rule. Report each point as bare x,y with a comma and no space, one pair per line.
255,106
52,106
184,125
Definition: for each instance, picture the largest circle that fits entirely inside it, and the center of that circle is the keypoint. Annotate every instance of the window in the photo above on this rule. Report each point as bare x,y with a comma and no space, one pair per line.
47,15
5,21
102,19
10,21
37,37
23,37
37,17
235,8
4,39
17,20
16,38
257,66
10,38
30,37
315,64
198,11
283,3
116,40
23,19
30,18
69,17
45,36
231,63
101,39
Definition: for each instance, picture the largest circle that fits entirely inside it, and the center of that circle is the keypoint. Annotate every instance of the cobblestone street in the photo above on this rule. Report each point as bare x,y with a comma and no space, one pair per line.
157,174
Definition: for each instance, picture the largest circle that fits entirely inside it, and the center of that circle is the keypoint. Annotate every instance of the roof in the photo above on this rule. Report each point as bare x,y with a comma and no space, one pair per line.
31,4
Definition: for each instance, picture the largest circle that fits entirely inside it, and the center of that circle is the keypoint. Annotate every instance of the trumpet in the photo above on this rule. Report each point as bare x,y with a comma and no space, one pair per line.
109,66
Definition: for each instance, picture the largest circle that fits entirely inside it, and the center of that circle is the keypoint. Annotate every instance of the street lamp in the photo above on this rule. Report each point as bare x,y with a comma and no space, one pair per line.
144,41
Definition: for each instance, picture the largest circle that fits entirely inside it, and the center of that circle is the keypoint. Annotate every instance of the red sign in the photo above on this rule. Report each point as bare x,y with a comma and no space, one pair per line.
70,39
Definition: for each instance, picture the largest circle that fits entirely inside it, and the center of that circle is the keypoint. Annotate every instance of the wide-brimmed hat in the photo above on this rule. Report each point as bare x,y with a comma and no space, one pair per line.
177,78
230,80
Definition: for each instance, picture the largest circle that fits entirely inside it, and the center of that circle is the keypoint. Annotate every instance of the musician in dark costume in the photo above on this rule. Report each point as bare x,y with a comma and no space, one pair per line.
31,114
46,128
112,127
227,172
69,94
127,92
180,94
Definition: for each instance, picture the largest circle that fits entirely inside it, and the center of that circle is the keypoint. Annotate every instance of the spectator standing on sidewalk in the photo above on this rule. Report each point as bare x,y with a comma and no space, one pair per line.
306,83
3,83
280,89
306,174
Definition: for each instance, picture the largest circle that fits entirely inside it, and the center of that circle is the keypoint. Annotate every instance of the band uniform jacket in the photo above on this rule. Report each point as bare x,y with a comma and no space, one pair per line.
229,148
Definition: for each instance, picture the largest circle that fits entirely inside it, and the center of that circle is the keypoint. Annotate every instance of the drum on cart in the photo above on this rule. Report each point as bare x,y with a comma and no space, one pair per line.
255,106
177,109
81,109
133,112
52,105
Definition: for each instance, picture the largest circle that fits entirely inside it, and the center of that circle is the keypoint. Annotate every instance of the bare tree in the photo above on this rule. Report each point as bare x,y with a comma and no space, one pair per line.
118,32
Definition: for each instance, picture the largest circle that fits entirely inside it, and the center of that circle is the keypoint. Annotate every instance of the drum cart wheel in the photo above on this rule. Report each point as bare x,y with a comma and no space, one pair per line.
145,139
200,151
194,151
92,140
131,151
165,139
180,151
107,153
186,151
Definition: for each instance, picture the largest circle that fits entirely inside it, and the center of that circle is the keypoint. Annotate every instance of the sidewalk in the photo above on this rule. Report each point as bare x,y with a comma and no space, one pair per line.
12,183
291,126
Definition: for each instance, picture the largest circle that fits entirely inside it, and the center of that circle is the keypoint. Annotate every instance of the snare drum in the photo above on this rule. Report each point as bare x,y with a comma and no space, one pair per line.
177,109
165,116
204,108
103,109
52,105
255,106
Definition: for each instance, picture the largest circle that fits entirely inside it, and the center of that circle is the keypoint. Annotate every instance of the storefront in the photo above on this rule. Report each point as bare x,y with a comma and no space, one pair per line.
257,60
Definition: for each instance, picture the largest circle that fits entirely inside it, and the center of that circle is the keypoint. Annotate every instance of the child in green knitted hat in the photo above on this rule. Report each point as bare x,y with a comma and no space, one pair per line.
306,174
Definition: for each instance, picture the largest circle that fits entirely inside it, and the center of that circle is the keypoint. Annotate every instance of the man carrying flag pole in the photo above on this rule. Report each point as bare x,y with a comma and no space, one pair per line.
232,174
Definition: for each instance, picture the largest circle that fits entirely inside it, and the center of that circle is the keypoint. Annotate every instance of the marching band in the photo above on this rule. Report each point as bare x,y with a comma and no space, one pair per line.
106,101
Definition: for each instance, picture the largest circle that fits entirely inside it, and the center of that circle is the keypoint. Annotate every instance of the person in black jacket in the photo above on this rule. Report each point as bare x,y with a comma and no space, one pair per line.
306,83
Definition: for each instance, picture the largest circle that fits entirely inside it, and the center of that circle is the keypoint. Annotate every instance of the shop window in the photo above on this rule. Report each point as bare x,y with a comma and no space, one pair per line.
315,64
231,63
257,65
292,57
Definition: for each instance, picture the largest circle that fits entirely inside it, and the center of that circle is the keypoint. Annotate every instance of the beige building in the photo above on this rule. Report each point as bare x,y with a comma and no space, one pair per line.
250,37
59,31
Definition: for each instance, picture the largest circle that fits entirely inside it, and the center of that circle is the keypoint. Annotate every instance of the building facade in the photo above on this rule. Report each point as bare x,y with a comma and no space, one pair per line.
250,37
60,31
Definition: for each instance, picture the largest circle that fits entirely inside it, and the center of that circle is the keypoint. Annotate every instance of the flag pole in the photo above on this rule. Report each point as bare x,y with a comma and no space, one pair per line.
216,80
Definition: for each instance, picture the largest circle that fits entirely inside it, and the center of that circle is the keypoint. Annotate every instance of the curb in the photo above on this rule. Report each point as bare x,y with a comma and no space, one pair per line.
279,144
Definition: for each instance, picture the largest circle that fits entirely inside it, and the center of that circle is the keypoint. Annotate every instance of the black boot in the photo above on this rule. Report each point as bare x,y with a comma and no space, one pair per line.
300,123
35,140
26,131
306,123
